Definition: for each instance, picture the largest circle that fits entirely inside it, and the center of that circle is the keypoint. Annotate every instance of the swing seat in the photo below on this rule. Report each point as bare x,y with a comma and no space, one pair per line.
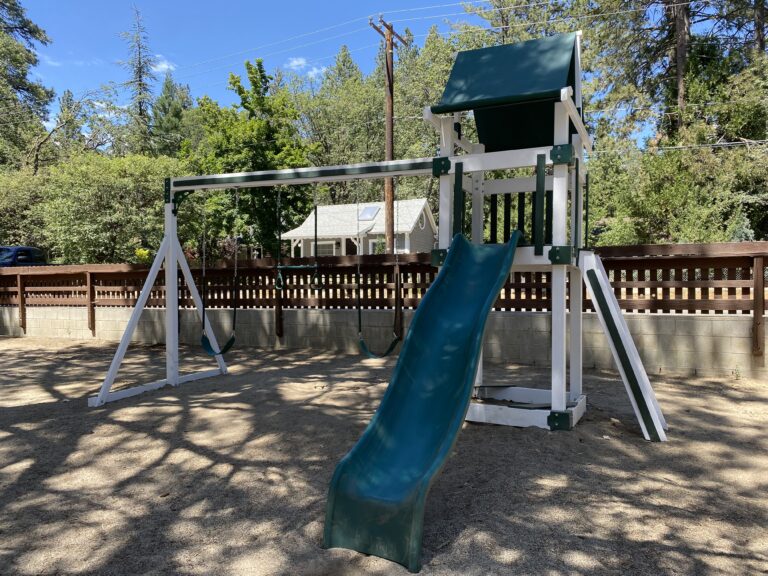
367,351
208,347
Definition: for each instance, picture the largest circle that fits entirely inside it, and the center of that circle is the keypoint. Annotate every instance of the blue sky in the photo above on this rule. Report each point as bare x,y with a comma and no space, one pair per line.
201,42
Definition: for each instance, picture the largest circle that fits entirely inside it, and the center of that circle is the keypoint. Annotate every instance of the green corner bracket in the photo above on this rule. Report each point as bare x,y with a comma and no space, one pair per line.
441,166
178,198
562,154
560,420
438,256
561,254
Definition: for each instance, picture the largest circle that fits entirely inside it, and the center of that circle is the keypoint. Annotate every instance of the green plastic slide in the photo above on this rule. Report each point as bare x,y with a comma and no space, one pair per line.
378,491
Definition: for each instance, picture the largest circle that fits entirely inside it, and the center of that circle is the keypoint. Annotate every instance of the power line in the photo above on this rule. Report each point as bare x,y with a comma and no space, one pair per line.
654,149
293,48
325,29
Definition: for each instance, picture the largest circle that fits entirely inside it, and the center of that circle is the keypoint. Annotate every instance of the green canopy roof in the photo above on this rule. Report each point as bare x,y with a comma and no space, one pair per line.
508,74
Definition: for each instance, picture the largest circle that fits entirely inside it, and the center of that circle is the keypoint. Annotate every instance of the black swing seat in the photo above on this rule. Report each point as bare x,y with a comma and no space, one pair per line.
208,347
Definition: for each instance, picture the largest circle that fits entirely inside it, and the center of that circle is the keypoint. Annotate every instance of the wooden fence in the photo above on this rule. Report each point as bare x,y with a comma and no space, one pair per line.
670,279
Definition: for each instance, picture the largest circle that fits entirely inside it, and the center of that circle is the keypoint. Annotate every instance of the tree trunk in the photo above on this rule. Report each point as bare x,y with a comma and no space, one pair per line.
679,17
760,25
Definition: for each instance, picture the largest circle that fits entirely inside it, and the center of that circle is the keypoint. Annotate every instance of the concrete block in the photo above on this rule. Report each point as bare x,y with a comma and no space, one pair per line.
541,322
650,323
734,327
695,325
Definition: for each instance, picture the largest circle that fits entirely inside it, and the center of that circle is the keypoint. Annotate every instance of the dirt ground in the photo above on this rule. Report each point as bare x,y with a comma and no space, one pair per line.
229,475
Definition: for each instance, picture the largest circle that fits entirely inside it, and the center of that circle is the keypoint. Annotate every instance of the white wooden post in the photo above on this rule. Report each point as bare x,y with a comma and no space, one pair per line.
190,281
559,238
576,351
122,348
171,300
445,226
478,224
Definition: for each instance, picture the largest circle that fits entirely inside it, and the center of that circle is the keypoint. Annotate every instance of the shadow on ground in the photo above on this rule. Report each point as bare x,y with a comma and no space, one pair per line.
229,475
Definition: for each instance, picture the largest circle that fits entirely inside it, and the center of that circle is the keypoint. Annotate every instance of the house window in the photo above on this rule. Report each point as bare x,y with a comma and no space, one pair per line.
368,213
327,248
422,221
379,246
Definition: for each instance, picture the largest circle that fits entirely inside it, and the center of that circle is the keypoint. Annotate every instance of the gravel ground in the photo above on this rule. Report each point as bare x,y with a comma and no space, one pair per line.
229,475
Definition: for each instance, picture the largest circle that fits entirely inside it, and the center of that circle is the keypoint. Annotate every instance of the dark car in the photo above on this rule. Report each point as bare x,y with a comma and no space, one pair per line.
22,256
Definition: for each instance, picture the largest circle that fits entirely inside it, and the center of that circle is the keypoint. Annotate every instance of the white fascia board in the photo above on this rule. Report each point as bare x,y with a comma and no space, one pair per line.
500,160
573,114
514,185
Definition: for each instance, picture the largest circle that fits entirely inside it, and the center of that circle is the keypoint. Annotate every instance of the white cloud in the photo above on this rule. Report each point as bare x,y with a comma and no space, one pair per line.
91,62
315,71
48,60
49,124
296,63
163,65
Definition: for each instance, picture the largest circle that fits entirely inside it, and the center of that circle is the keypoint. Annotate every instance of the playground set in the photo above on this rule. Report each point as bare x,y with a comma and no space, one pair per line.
527,106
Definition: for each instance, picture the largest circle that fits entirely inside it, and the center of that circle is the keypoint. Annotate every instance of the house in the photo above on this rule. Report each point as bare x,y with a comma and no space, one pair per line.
341,228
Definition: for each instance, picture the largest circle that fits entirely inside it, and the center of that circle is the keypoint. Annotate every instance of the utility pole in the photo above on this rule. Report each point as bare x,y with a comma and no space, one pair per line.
388,33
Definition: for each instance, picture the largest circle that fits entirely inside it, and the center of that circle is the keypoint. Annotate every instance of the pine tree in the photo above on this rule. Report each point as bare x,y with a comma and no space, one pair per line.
140,65
23,101
168,117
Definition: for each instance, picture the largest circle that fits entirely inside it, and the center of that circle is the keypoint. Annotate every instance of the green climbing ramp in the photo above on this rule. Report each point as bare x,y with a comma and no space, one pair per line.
378,491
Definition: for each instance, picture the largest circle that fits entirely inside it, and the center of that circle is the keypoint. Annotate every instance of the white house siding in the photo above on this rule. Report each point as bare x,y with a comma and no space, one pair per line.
422,240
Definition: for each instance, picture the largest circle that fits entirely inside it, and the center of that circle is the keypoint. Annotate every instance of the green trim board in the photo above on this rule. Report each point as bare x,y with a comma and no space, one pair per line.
304,175
458,199
623,357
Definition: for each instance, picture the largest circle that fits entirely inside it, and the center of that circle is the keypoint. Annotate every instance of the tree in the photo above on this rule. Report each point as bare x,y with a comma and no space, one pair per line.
259,133
140,66
23,101
96,208
168,117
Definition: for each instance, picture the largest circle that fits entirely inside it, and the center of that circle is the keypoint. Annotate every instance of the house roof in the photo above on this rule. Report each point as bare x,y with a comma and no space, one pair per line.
341,220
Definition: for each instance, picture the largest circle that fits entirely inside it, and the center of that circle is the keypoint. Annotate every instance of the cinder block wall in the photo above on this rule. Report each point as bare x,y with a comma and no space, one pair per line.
668,344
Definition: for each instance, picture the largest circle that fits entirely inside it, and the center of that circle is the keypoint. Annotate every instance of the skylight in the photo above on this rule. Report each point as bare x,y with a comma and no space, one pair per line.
368,213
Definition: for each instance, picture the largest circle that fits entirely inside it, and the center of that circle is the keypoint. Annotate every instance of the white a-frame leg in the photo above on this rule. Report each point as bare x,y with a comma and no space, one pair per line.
625,354
171,254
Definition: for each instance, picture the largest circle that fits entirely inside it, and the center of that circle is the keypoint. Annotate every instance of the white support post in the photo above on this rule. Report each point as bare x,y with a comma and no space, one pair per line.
343,246
478,200
190,281
559,238
445,226
576,347
122,348
171,300
478,225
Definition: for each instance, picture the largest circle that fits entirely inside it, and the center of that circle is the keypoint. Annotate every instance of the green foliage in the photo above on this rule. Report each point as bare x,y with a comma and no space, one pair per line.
168,110
23,100
258,134
89,188
100,209
20,219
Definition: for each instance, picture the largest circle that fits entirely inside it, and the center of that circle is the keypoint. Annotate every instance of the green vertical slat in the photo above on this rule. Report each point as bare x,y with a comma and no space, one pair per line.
577,201
613,332
458,200
538,205
586,212
521,216
507,216
494,219
548,218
